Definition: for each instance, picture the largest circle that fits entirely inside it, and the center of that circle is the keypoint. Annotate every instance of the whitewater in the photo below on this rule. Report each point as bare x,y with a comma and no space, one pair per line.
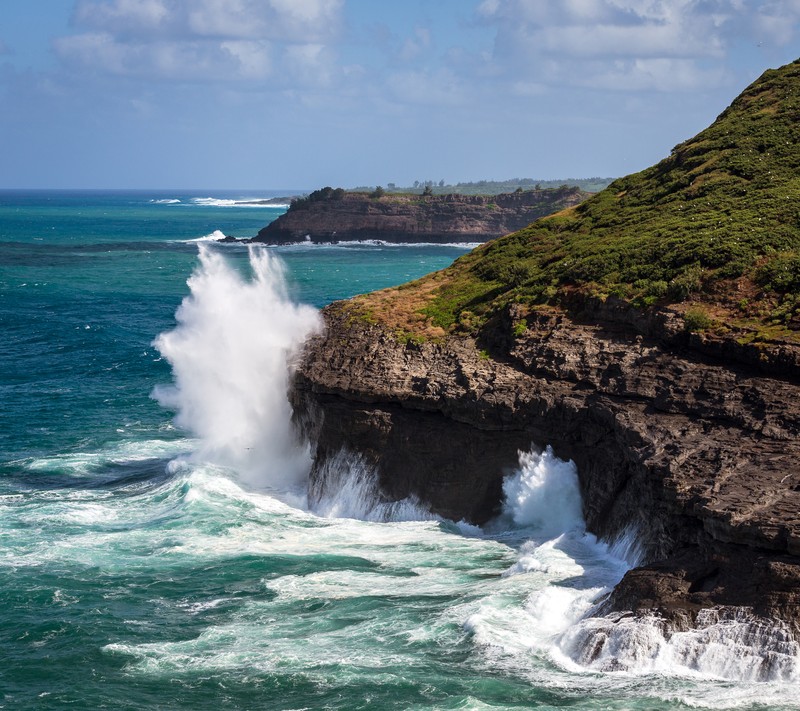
163,547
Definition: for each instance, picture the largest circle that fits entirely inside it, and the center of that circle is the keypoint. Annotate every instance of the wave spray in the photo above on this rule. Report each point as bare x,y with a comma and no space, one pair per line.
231,354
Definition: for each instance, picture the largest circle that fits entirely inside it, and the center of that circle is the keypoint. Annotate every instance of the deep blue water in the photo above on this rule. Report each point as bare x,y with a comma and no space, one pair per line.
140,568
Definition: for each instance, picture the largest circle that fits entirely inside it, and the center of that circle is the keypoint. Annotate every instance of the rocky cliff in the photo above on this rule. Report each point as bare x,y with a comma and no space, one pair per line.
334,215
615,333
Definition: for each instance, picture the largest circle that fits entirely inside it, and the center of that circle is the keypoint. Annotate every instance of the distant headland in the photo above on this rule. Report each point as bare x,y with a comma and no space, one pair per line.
335,215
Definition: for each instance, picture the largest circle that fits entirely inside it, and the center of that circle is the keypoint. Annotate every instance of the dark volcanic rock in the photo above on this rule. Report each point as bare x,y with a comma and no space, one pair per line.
228,239
699,457
415,218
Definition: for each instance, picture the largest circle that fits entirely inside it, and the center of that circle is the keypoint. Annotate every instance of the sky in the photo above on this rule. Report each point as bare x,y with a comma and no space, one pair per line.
262,94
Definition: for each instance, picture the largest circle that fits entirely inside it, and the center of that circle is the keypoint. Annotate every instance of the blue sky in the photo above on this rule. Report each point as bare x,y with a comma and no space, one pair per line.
262,94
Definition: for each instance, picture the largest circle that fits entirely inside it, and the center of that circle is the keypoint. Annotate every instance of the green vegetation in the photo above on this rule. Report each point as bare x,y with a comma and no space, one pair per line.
716,220
695,319
491,187
520,328
408,338
326,193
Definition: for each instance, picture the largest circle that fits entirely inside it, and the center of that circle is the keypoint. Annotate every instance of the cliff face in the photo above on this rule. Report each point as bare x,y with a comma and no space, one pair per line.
697,457
415,218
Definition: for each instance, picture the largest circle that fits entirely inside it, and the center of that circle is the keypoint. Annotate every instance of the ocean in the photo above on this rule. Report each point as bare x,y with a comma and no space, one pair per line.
157,547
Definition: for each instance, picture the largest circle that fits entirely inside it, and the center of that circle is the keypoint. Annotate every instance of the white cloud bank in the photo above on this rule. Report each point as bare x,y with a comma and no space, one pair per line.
625,45
309,92
202,40
664,45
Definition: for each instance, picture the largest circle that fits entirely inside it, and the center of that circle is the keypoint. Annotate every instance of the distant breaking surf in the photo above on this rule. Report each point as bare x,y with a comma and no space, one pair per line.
244,202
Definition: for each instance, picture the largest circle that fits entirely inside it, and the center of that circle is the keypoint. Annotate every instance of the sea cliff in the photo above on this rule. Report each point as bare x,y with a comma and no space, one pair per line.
638,335
696,455
335,215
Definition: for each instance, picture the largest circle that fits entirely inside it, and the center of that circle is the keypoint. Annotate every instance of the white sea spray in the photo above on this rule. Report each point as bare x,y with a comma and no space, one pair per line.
231,355
347,487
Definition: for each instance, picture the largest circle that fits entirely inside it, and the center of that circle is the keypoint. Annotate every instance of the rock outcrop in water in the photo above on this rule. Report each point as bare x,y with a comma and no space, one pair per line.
336,216
679,403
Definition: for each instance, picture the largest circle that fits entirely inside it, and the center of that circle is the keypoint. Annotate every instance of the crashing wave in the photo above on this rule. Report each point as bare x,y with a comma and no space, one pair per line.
722,643
345,486
226,202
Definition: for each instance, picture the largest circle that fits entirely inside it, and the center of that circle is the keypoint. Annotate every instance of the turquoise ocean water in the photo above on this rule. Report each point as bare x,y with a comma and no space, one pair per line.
149,561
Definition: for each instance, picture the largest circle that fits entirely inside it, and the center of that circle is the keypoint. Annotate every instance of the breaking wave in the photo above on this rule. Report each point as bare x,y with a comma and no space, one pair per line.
347,487
231,354
243,202
570,572
355,244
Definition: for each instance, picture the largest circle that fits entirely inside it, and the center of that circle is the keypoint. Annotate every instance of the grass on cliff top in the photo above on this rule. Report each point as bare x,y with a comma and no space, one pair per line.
716,223
554,196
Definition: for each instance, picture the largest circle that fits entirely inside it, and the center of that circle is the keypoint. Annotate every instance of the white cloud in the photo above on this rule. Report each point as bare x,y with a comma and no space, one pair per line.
620,44
253,57
194,40
778,21
431,88
284,20
310,64
664,74
130,16
604,40
226,18
415,45
168,60
313,18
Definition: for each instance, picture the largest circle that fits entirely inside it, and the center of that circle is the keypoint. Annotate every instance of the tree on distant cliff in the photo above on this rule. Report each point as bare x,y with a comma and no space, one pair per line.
326,193
427,190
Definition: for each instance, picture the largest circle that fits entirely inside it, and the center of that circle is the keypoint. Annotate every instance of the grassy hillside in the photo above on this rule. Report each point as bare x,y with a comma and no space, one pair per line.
715,225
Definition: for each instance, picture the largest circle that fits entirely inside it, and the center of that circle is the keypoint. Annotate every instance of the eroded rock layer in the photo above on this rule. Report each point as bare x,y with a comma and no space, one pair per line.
696,455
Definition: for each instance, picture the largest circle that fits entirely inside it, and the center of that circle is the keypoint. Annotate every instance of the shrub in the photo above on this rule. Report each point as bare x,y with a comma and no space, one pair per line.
695,320
780,273
686,283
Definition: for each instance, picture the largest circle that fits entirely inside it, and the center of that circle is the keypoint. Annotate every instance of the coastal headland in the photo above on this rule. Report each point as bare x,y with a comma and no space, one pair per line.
650,334
334,215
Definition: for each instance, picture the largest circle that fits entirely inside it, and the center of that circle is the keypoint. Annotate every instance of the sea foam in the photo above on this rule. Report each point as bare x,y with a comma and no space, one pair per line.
544,494
214,236
570,571
244,202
